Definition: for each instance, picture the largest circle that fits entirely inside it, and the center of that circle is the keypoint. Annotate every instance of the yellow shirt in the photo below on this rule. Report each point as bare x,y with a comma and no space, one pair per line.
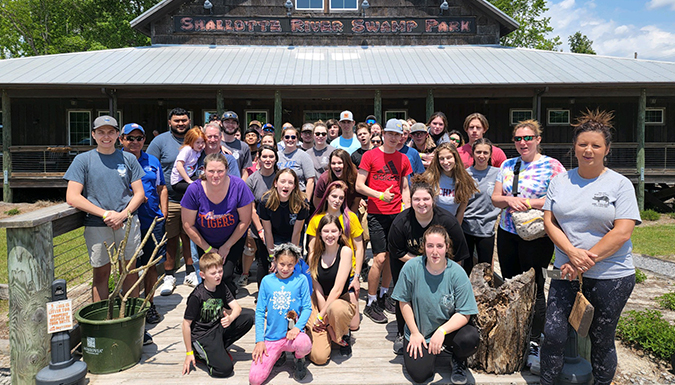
355,231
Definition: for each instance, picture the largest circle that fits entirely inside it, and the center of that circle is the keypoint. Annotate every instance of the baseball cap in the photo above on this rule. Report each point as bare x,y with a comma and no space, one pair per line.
126,130
346,115
252,130
370,119
268,127
230,115
105,120
418,127
394,125
255,123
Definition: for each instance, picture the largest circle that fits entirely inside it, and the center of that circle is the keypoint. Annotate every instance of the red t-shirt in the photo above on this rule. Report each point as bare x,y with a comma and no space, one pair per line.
385,170
498,156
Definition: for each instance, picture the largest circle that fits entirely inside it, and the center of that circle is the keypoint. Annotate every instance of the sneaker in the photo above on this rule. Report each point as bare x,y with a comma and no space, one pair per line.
147,338
458,376
398,345
168,285
152,316
388,304
281,361
300,369
191,279
533,359
374,312
346,350
242,281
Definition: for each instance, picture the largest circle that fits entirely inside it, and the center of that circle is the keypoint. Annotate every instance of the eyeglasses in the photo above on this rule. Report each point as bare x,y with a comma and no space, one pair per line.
526,138
320,134
458,141
290,137
419,134
134,138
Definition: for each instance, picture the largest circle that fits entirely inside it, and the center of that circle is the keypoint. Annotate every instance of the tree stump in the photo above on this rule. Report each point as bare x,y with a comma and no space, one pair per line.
504,319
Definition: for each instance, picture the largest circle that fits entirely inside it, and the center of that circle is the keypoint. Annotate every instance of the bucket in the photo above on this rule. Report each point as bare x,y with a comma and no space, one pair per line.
110,346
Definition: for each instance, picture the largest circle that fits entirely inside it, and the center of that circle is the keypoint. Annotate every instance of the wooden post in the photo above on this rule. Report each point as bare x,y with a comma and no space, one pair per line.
278,110
30,264
642,107
535,107
112,105
430,103
6,143
377,108
220,103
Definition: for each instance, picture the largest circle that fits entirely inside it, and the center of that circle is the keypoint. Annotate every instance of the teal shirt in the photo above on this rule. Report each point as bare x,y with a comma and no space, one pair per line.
434,298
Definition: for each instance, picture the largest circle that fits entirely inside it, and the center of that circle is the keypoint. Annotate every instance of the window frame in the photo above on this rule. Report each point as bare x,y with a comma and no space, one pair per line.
68,123
247,121
337,10
323,6
405,114
663,116
206,114
548,116
511,112
119,117
305,112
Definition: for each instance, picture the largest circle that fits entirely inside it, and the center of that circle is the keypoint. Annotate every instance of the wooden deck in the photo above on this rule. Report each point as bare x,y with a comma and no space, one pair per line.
372,361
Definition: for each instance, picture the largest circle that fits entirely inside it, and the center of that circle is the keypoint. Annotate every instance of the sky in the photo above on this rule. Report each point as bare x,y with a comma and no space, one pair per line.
618,27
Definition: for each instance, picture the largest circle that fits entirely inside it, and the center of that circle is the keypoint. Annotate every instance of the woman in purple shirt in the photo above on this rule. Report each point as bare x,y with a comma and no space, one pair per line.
216,213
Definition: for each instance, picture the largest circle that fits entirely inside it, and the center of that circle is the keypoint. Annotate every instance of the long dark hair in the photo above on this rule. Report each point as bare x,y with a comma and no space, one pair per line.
320,246
348,169
296,202
323,205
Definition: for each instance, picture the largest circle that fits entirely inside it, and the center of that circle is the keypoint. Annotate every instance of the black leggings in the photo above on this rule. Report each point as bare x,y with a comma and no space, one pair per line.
464,342
484,246
517,256
230,262
212,347
608,297
396,267
261,256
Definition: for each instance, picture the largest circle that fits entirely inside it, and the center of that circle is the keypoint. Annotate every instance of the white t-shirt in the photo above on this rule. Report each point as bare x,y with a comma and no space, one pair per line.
190,157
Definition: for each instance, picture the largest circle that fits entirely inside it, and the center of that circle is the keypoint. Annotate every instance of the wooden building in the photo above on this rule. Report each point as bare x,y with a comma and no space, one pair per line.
303,60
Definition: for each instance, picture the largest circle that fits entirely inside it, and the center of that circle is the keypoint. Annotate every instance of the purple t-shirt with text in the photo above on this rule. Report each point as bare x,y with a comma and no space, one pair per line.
216,222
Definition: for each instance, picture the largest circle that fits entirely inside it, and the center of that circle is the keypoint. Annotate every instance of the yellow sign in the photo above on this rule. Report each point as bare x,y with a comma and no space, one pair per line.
59,316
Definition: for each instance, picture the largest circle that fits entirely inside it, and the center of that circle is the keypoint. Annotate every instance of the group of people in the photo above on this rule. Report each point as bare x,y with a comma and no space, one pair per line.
306,208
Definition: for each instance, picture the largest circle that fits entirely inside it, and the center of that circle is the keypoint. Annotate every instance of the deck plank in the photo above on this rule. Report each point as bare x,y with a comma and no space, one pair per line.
372,361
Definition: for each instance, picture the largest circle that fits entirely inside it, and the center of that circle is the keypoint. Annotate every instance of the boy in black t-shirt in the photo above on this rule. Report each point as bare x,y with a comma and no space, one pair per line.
213,320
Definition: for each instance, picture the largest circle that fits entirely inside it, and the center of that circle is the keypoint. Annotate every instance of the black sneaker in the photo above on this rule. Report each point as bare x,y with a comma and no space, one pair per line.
387,303
300,369
458,376
281,361
374,312
147,338
152,316
398,345
346,350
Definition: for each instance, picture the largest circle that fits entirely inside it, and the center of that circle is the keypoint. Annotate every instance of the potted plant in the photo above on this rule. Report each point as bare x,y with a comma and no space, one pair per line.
112,329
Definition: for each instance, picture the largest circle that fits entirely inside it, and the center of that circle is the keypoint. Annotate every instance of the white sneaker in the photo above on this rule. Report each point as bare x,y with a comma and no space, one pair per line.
168,285
242,281
191,279
533,359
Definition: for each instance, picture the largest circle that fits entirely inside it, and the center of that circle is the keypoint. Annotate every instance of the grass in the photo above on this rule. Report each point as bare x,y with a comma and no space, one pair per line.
654,240
649,215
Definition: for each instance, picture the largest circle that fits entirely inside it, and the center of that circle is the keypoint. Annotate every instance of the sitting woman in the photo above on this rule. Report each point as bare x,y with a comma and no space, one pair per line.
330,263
334,203
437,302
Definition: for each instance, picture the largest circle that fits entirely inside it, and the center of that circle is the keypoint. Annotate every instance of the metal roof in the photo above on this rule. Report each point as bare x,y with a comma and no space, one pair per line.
308,66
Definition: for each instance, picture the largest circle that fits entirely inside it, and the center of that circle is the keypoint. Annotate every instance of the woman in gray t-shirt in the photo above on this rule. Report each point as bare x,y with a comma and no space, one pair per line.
590,213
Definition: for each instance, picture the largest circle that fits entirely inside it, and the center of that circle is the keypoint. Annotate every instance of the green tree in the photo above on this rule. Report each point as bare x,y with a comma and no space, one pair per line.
534,28
42,27
581,44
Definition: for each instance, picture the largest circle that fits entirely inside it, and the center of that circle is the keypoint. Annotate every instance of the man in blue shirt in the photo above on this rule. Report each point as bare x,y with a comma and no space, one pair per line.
346,141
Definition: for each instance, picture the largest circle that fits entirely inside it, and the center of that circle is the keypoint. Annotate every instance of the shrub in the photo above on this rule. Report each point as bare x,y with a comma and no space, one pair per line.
671,215
640,276
648,330
13,211
667,300
650,215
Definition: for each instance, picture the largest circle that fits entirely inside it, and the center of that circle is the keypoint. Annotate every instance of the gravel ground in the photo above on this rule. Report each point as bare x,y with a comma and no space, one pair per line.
655,265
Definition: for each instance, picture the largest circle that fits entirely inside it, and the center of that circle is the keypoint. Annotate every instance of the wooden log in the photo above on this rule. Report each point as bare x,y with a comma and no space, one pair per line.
504,318
31,272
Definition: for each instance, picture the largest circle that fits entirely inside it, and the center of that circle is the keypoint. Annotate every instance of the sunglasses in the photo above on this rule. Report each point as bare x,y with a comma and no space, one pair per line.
320,134
268,129
419,134
376,141
526,138
458,141
134,138
371,121
290,137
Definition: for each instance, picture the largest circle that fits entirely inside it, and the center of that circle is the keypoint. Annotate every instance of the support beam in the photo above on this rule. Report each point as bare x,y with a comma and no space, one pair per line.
220,103
377,109
6,143
642,107
112,105
278,118
430,103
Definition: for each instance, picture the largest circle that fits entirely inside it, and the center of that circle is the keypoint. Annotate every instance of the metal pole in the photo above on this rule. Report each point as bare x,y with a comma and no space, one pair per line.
430,103
278,110
377,109
642,107
220,103
6,143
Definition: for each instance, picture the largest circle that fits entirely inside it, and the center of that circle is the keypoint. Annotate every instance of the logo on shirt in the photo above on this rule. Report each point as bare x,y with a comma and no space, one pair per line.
388,172
212,221
601,200
292,219
212,309
122,170
281,300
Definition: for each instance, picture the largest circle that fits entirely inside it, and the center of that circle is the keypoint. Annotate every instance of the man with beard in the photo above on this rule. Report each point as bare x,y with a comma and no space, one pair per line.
165,147
240,150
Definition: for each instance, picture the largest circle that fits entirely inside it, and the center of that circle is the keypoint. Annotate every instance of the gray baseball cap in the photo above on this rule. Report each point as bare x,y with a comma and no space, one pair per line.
105,120
394,125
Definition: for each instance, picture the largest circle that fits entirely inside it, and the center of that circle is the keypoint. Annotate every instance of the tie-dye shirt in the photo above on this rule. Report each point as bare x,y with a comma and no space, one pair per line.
532,183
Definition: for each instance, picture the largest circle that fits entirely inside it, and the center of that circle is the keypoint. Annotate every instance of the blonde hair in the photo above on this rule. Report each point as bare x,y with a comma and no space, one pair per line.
295,202
465,186
210,260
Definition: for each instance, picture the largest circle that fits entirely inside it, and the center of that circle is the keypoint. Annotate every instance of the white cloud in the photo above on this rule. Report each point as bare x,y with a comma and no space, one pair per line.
653,4
610,37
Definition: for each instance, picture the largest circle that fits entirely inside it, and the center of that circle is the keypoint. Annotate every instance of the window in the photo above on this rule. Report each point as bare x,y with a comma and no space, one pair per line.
118,117
520,115
346,5
653,116
260,116
79,127
207,115
313,116
309,4
395,114
558,117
